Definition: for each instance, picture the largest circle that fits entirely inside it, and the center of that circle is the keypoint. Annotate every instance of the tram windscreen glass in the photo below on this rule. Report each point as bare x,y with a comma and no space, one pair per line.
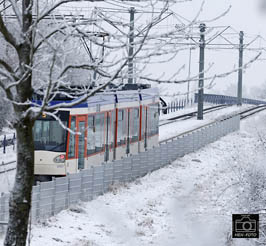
49,135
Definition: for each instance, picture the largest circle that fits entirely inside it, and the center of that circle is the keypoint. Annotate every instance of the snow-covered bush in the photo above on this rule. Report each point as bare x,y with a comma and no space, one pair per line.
250,188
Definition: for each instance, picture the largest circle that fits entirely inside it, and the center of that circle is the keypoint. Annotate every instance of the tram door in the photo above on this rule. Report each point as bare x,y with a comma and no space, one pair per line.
81,122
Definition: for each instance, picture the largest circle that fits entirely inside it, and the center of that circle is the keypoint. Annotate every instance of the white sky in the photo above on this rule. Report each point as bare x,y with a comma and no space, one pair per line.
245,15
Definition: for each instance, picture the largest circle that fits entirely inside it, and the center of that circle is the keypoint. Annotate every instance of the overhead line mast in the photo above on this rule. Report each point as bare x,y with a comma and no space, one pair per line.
201,72
131,46
240,70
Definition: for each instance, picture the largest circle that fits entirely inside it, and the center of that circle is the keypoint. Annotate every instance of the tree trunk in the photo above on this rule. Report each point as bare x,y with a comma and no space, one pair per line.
20,200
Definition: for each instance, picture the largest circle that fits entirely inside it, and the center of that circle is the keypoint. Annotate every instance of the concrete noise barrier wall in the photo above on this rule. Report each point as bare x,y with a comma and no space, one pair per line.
49,198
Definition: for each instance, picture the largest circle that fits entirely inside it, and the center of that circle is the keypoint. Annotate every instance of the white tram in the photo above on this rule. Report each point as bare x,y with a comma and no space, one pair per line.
108,127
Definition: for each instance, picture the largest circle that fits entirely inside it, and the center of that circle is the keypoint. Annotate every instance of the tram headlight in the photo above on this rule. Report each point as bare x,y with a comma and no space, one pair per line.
60,158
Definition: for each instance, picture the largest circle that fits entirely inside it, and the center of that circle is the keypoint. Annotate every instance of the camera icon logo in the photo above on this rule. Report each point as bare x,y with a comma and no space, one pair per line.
245,226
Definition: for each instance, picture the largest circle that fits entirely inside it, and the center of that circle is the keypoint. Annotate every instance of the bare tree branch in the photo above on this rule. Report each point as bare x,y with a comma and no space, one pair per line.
7,35
16,11
8,68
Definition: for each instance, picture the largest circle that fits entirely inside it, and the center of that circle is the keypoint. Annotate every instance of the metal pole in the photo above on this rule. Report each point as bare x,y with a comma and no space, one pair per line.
14,139
4,144
189,69
201,71
240,69
131,46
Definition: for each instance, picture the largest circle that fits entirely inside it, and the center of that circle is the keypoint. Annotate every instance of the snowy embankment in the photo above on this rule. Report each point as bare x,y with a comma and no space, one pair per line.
188,109
180,126
10,150
6,132
188,203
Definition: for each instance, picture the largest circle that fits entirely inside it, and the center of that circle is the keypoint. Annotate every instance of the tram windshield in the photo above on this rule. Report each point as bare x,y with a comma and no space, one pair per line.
49,135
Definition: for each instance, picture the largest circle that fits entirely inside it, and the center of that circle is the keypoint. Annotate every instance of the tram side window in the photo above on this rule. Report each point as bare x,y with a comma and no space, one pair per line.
135,128
120,118
125,126
155,129
143,123
121,125
153,120
99,132
156,123
95,133
111,129
149,125
72,142
91,135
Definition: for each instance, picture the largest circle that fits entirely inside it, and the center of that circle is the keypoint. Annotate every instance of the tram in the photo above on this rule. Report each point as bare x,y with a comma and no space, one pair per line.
109,126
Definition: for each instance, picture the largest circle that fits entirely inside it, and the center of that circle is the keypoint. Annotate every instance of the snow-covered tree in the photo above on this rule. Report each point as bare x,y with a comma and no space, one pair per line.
259,91
44,56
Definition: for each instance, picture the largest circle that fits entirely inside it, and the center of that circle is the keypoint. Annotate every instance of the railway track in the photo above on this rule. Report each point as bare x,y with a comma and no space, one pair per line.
243,115
249,112
5,165
193,114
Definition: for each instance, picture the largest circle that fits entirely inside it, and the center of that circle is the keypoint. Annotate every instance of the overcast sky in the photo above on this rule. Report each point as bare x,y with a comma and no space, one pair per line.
245,15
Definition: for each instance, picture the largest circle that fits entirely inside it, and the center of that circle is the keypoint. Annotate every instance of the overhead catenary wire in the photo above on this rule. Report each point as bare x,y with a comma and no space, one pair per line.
229,45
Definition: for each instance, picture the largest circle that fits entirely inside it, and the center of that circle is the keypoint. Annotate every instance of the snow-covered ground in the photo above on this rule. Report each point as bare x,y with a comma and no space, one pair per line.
188,203
10,154
180,126
8,132
188,109
7,177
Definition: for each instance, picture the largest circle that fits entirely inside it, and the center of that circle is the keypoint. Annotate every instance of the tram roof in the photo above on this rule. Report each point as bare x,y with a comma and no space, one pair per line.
105,98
